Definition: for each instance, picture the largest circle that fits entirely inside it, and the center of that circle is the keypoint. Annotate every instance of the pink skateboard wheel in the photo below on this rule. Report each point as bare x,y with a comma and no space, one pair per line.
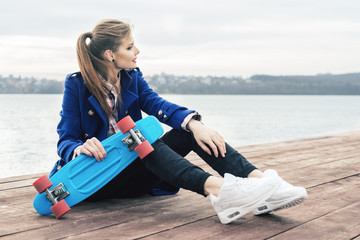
144,149
42,184
126,124
60,208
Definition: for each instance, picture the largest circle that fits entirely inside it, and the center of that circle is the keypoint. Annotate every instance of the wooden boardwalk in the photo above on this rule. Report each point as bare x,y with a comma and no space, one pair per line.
329,168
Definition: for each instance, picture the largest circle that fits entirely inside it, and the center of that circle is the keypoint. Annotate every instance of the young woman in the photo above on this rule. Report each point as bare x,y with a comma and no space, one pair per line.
108,87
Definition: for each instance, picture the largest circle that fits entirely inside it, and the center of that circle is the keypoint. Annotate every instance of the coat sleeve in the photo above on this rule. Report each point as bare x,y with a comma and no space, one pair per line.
152,104
69,128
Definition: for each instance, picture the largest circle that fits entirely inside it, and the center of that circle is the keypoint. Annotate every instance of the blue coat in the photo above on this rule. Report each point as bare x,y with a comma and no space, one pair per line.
82,117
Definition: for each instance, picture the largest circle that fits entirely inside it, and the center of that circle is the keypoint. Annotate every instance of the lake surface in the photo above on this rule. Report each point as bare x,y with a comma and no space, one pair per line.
28,122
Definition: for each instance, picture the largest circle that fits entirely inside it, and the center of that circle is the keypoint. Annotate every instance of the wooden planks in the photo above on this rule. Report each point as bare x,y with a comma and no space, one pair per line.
329,167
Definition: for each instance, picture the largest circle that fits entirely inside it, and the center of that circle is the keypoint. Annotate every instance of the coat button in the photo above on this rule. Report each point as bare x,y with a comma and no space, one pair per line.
91,113
160,113
127,112
86,135
165,116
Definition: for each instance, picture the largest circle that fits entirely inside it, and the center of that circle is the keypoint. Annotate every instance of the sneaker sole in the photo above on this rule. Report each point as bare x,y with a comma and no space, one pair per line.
231,214
267,208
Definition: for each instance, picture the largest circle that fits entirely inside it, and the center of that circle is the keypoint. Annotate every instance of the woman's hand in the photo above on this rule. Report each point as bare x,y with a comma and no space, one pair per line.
93,148
207,138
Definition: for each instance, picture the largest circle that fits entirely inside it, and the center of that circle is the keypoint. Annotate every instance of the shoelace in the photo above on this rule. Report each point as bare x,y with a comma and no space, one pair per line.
246,181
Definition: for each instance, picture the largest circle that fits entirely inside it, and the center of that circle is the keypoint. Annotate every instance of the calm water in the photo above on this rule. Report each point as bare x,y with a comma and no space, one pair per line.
28,122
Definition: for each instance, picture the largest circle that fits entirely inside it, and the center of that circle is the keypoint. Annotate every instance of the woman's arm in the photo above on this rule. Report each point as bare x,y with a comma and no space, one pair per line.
70,130
69,125
152,104
174,115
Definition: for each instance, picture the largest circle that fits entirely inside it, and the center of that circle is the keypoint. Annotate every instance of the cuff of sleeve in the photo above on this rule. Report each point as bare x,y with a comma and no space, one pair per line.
193,115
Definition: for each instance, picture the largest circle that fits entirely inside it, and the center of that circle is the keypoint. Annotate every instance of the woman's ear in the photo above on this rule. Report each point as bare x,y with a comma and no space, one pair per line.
108,55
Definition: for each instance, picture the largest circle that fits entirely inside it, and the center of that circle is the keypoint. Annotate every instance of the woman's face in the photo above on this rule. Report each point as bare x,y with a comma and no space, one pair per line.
125,56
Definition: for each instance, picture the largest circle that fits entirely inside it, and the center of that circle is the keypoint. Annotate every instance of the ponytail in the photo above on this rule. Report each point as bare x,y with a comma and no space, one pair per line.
88,71
90,49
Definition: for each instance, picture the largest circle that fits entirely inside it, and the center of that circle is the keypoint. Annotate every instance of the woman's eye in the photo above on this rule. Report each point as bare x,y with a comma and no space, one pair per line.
129,48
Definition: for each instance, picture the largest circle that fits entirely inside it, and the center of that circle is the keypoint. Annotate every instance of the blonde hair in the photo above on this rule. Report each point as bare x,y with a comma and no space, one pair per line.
107,35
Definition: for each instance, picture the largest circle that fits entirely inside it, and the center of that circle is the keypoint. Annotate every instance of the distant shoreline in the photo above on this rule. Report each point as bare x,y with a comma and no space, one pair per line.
204,94
322,84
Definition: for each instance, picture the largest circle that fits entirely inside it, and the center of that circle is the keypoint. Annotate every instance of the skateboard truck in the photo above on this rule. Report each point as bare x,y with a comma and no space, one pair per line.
57,194
134,139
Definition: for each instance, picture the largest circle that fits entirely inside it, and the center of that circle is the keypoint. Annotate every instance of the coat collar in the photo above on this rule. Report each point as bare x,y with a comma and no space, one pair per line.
128,93
125,80
98,108
128,96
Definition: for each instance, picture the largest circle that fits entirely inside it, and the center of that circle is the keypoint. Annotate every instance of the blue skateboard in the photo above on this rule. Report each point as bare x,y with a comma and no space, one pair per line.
83,176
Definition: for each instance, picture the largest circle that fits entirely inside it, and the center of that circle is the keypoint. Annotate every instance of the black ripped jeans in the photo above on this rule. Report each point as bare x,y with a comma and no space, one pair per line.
167,163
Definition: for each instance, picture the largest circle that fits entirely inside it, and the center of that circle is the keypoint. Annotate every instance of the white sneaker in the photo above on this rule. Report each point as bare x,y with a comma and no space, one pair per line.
238,196
284,197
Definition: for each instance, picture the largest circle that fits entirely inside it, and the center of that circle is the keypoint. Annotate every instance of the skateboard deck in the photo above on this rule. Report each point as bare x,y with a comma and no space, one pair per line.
83,176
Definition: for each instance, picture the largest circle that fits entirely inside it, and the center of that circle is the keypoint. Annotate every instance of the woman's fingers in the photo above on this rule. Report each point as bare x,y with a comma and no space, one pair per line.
83,150
216,143
221,145
214,148
100,147
93,147
208,139
205,148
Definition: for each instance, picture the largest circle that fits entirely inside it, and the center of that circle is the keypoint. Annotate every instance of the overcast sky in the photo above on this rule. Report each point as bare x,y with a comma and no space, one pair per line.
182,37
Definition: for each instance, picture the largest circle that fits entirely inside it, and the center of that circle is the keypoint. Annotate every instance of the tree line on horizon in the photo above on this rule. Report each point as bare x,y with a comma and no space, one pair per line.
340,84
337,84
